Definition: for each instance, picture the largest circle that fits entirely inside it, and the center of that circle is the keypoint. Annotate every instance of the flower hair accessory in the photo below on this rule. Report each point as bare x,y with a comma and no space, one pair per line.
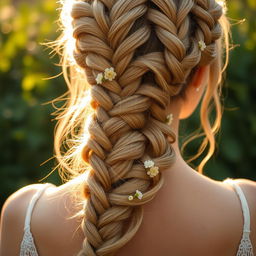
99,78
130,198
169,118
109,74
152,170
149,163
201,45
137,194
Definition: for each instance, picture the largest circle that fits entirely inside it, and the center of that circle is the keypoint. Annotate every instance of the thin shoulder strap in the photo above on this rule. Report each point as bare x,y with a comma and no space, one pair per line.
32,202
245,208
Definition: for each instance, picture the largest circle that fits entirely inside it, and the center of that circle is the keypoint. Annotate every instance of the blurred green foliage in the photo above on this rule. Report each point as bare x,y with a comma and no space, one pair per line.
236,151
236,141
26,124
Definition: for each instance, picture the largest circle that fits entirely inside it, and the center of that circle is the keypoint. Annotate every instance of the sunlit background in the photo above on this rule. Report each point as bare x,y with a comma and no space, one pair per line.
26,123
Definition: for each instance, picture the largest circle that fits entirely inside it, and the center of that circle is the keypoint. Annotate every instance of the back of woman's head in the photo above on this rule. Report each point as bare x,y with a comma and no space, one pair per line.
154,47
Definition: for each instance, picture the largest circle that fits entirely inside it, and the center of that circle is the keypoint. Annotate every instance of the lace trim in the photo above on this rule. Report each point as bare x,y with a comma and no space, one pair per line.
27,247
245,248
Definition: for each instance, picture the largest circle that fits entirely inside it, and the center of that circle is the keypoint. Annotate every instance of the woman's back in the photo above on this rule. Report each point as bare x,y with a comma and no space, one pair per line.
135,70
191,215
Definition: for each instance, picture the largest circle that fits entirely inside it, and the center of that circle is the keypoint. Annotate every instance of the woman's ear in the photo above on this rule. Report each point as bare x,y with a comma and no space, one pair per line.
198,78
194,92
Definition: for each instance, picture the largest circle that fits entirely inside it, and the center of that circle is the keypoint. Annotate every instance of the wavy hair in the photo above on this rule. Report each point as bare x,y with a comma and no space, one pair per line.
106,131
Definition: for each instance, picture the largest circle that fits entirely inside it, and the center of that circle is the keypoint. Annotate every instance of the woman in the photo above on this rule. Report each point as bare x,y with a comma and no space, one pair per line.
134,69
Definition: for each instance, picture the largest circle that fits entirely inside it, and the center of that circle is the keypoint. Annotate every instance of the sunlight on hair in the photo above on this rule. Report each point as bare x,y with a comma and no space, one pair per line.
84,136
66,20
82,140
223,4
83,103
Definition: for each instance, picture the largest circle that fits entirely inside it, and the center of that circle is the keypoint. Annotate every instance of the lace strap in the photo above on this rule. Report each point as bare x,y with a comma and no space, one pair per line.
32,204
245,247
27,247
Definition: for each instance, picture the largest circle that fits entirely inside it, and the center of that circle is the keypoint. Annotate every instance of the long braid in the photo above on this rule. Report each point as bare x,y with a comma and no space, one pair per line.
129,122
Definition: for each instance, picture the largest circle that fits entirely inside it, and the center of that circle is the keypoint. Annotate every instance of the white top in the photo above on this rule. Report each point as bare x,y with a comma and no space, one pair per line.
245,248
27,247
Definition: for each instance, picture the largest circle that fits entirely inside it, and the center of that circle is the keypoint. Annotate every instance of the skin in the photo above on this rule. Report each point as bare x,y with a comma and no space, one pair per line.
191,215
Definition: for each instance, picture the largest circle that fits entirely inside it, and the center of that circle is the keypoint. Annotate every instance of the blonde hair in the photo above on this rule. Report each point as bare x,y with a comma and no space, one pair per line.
107,131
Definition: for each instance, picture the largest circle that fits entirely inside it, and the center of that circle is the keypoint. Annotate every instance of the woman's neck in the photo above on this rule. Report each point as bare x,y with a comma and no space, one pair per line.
180,167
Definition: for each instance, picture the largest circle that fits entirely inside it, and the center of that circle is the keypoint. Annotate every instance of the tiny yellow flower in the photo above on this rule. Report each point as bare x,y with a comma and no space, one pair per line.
153,171
201,45
138,194
148,163
169,119
99,78
109,74
130,198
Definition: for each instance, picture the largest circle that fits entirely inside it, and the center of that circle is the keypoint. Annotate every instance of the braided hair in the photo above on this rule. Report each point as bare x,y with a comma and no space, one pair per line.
153,46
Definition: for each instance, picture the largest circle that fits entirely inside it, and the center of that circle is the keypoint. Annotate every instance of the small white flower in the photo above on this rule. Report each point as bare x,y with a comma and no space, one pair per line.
138,194
153,171
169,118
99,78
148,163
201,45
130,198
109,73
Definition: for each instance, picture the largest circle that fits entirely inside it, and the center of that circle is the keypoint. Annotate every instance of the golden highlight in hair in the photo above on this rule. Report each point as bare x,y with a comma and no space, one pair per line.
108,128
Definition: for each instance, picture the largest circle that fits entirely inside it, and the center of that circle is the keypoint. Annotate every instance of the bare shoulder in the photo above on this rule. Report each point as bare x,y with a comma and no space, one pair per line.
248,182
58,208
249,188
50,216
13,218
15,199
17,202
